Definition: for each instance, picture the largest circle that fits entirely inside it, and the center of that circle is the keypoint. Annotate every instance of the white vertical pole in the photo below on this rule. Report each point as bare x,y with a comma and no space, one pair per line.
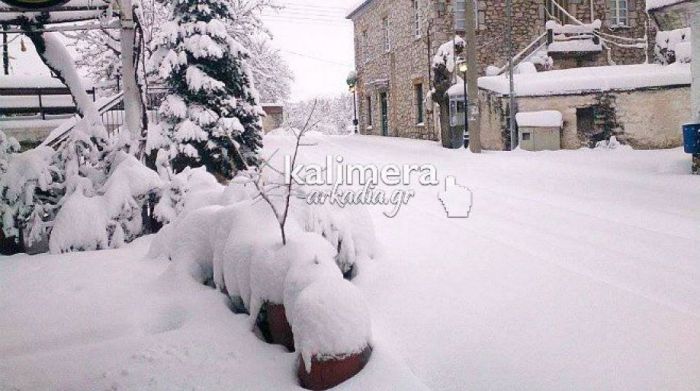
133,104
509,39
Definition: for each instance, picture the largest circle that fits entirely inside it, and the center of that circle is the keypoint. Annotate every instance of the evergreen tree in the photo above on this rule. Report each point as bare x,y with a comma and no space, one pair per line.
212,115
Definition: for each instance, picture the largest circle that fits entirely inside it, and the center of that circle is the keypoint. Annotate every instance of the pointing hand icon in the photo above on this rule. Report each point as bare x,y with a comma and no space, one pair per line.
456,199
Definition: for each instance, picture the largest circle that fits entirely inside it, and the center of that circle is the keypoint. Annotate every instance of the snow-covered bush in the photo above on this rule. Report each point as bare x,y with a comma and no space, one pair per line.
444,66
212,115
108,219
330,320
29,192
8,147
349,230
82,224
673,46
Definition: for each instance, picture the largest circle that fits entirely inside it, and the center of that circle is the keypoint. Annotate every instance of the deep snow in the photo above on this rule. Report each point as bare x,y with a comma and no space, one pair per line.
576,270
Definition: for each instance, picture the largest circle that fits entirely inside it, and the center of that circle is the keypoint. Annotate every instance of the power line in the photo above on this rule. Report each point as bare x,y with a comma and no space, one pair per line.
317,58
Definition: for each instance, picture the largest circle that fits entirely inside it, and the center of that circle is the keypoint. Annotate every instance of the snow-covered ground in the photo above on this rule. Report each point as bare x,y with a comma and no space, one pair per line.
576,270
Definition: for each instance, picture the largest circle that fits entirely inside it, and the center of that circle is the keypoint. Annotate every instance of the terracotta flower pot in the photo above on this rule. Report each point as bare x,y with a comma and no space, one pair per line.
278,326
328,373
274,327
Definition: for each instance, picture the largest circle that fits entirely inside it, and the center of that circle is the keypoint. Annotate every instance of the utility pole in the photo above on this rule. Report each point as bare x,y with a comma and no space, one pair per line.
509,38
695,70
472,75
5,51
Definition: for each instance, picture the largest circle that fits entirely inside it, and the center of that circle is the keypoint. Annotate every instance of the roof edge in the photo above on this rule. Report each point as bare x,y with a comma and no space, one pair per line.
359,8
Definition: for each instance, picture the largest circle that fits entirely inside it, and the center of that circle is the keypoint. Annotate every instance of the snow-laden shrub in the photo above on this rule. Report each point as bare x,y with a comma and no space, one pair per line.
331,320
82,224
193,189
349,230
8,147
190,247
114,213
29,192
673,46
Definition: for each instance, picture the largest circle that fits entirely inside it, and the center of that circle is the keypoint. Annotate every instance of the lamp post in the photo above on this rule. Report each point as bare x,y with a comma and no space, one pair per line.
464,68
355,122
352,85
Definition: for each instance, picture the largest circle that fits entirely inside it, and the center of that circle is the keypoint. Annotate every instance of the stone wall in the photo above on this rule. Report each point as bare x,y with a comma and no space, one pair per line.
636,28
398,71
648,118
407,64
528,24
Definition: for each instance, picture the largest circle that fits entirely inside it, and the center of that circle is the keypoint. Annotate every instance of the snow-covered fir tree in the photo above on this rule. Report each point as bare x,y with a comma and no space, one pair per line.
212,114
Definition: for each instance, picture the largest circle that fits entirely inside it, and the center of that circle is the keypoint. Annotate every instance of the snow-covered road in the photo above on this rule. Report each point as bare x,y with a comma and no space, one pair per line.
576,270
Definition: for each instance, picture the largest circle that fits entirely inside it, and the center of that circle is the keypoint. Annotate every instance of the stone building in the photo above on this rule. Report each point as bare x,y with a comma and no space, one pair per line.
643,106
395,41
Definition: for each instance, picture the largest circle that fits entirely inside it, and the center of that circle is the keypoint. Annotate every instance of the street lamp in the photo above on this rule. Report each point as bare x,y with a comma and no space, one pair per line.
352,85
355,122
463,69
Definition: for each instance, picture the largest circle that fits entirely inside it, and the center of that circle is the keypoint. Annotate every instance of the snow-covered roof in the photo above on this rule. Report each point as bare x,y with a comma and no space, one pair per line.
540,119
591,79
361,4
656,4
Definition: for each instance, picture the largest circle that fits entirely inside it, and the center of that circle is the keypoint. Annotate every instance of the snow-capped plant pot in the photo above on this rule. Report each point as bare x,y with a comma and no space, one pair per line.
313,261
268,275
332,331
330,372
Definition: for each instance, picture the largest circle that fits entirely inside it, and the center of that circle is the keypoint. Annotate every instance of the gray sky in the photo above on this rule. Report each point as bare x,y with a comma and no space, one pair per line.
317,42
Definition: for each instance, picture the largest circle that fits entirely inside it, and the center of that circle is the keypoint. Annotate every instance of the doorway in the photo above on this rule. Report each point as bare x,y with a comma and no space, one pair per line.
385,113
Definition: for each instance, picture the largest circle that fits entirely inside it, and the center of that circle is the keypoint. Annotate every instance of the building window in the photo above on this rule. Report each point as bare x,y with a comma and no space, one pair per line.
416,19
420,109
460,13
385,34
617,12
369,111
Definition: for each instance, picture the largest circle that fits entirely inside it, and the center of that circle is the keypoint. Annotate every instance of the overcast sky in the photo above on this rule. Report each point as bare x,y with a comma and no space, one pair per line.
317,42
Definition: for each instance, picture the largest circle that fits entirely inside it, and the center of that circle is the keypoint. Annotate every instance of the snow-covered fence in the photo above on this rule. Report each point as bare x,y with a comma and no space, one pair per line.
37,102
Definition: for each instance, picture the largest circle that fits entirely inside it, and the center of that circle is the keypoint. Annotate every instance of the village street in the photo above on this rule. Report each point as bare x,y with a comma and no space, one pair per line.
576,270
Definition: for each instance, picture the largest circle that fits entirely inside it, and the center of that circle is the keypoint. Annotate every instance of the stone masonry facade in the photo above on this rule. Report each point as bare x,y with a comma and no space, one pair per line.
395,41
